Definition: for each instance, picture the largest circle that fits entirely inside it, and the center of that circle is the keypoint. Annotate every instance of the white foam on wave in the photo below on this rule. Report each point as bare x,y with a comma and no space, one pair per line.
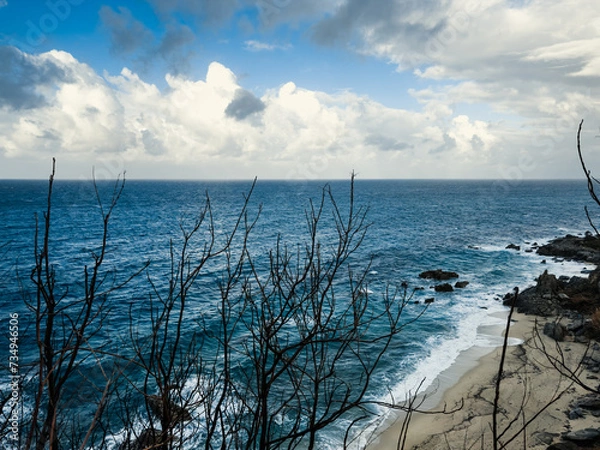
465,308
560,267
490,248
445,351
443,354
490,341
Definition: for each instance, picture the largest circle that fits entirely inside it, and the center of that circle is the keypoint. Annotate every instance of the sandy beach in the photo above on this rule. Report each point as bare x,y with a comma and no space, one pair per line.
530,389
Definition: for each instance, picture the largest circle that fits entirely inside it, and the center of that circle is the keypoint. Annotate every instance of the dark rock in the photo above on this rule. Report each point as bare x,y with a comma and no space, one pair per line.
586,332
461,284
543,261
573,247
577,285
509,298
582,294
513,247
429,300
589,402
543,437
563,446
147,439
438,274
546,284
591,364
178,413
541,299
578,328
555,330
587,435
446,287
576,413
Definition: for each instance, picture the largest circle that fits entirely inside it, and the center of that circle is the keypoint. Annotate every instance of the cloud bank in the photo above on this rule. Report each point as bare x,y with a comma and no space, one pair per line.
499,87
222,129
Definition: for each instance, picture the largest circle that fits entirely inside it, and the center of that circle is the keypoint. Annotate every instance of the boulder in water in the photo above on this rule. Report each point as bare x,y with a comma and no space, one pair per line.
178,413
147,439
574,247
438,274
446,287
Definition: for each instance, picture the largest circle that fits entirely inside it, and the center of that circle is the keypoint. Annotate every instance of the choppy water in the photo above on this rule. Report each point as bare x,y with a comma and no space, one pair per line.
462,226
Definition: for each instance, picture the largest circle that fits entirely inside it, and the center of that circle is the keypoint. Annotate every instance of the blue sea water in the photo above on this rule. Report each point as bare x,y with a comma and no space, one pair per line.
462,226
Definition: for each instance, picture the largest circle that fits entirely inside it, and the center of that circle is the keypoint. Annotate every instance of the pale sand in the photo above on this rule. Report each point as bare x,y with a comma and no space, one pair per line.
528,380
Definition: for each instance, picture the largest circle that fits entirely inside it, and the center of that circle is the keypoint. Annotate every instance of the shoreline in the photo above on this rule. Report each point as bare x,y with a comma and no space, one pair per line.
557,319
437,396
471,379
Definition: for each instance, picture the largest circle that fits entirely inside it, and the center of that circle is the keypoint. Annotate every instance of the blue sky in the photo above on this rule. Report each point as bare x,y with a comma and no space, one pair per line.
284,89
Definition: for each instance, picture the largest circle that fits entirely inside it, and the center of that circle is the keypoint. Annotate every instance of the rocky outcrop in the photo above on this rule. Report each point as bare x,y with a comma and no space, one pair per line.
563,446
178,413
513,247
147,439
577,248
540,300
461,284
551,296
587,436
439,275
446,287
555,330
576,301
589,403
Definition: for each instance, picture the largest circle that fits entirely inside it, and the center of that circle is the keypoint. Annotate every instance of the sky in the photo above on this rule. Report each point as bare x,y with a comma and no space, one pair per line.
299,89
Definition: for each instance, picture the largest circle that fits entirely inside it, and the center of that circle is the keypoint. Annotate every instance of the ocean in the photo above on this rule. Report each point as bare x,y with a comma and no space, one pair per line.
414,225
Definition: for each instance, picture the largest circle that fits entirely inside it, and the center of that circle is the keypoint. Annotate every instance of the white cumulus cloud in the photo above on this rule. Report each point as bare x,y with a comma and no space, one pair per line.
529,67
213,127
258,46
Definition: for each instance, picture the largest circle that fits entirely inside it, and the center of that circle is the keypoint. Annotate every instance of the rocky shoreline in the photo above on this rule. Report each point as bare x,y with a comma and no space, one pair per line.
573,306
557,322
574,298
